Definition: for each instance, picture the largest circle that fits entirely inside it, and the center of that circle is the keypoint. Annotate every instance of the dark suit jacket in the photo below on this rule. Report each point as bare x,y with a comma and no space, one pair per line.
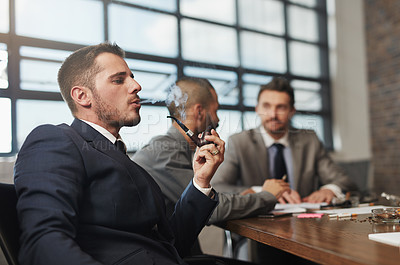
246,163
81,201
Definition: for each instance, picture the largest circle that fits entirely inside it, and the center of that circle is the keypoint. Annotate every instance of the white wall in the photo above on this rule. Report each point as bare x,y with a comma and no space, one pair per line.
350,98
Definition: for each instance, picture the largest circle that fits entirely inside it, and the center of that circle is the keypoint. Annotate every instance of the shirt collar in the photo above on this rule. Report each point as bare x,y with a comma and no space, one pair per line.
103,132
268,140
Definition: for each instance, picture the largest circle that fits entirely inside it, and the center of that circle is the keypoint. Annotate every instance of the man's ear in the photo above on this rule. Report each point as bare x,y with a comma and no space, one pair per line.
82,96
198,111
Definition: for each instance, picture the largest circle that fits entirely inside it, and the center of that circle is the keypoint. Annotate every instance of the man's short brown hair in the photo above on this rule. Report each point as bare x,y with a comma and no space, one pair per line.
80,69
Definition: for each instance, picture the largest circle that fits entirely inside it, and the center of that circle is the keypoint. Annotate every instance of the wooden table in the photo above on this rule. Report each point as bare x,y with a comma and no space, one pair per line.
325,241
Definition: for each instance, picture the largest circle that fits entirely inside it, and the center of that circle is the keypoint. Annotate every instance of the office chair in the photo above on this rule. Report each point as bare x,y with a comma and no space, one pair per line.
9,230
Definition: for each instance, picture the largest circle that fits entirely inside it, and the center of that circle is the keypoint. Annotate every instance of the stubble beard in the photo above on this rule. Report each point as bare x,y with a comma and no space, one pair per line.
112,116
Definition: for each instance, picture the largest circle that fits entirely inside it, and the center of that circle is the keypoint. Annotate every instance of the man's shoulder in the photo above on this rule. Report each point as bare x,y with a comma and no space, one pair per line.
244,134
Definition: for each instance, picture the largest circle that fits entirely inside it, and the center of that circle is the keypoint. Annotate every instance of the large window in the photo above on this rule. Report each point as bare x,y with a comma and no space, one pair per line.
236,44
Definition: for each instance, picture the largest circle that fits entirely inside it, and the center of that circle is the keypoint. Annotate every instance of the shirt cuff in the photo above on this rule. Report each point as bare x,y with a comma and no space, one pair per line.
257,189
335,189
205,191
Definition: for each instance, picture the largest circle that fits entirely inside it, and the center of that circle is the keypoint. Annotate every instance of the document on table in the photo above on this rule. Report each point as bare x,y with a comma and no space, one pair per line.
353,210
297,208
386,238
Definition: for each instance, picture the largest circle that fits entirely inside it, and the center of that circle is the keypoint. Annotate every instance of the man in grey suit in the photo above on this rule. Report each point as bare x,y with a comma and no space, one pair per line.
250,155
168,158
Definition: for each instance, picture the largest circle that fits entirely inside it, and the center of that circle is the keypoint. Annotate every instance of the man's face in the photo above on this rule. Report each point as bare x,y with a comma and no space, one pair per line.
116,102
275,111
212,117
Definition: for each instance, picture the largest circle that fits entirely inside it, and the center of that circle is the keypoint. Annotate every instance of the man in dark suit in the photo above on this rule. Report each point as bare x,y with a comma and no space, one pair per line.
81,200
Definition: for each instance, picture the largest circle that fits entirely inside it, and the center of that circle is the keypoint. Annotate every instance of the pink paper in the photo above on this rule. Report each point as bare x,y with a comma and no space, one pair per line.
310,215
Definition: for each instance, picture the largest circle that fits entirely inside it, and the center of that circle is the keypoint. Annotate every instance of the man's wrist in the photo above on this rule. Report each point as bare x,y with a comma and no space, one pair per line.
206,191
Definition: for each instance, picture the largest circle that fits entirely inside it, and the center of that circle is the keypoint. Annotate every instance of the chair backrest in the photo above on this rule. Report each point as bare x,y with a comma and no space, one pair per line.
9,230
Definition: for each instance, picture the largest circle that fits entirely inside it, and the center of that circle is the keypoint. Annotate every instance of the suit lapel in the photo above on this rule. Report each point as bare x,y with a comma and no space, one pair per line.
148,190
296,148
261,151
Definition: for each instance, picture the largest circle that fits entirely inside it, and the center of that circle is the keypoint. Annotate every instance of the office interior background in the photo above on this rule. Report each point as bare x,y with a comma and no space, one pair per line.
342,57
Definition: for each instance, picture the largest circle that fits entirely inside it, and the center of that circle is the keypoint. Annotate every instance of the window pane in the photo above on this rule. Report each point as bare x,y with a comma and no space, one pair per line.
251,86
4,18
309,122
304,59
62,20
3,66
263,52
224,82
167,5
229,123
307,95
310,3
209,43
155,78
5,121
153,122
32,113
250,120
42,53
220,11
307,100
39,75
262,15
303,24
143,31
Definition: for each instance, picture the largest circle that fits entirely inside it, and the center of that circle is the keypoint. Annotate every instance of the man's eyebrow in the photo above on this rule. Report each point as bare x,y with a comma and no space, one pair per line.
117,74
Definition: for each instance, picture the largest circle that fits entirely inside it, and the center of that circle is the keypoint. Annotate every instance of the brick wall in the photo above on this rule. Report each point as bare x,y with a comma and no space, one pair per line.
382,25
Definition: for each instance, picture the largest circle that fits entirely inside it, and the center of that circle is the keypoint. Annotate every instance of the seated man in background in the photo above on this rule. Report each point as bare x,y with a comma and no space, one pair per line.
168,158
81,200
275,149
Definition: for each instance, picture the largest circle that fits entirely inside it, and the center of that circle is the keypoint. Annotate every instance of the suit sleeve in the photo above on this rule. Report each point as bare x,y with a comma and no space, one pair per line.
233,206
48,180
330,172
227,177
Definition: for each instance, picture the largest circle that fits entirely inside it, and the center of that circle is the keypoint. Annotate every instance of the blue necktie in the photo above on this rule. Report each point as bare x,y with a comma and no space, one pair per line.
279,162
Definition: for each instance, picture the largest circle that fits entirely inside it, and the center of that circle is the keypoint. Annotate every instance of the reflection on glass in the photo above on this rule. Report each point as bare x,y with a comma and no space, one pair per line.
262,15
167,5
43,53
153,122
251,86
32,113
62,20
4,16
308,100
304,59
250,120
155,78
263,52
309,122
229,123
221,11
209,43
303,23
39,75
5,121
310,3
224,82
143,31
3,66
